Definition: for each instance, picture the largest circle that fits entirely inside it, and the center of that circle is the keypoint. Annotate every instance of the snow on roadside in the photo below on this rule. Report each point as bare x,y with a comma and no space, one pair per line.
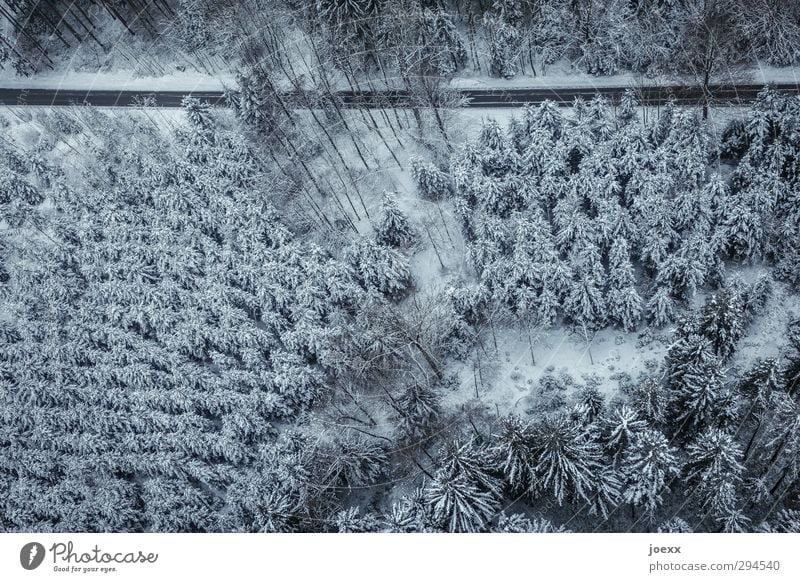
575,79
560,78
119,80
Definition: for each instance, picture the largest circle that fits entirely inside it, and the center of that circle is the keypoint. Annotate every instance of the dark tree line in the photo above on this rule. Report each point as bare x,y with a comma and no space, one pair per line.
42,28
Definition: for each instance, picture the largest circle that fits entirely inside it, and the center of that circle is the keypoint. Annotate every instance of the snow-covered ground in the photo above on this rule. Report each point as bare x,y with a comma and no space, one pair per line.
118,80
507,380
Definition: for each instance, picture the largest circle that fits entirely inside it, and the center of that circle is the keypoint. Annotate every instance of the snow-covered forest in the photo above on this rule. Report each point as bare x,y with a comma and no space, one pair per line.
501,38
289,314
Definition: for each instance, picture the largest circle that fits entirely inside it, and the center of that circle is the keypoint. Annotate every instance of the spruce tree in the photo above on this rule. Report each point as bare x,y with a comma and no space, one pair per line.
418,410
440,42
585,305
565,459
649,399
626,112
504,48
458,505
471,461
431,182
623,301
621,428
713,471
379,267
695,379
649,467
394,229
512,453
791,374
661,307
721,321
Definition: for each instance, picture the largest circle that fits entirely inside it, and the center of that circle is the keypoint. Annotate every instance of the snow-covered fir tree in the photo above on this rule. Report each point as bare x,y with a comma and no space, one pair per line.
512,452
721,321
622,427
585,305
418,410
695,379
440,42
379,267
504,47
394,228
432,183
661,307
649,466
713,471
470,460
623,300
649,398
565,459
457,505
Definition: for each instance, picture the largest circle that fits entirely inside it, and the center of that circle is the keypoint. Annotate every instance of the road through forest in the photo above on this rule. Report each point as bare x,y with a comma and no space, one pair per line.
489,98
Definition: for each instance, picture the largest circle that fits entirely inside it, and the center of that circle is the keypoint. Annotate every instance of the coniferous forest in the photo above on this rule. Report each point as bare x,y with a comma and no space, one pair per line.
287,312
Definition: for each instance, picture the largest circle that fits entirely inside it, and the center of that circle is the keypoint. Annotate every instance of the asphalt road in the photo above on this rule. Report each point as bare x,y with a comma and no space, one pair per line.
654,95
